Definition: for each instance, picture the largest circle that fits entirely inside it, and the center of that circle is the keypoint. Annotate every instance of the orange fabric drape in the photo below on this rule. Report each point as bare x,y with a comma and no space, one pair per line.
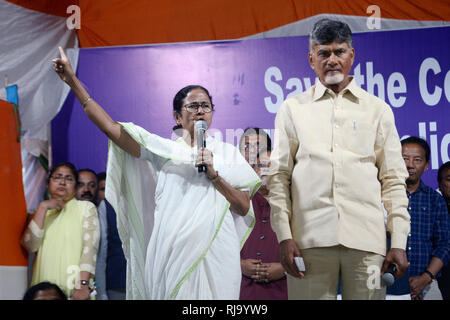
133,22
54,7
13,211
116,22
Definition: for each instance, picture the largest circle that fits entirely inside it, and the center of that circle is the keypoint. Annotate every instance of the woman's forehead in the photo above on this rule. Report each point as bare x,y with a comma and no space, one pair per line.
196,95
64,170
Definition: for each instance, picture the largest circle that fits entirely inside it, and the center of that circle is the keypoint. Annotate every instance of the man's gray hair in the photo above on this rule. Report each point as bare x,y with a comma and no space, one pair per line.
327,31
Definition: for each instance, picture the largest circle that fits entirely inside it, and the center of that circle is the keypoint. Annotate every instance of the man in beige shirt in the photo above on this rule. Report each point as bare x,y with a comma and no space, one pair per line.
337,158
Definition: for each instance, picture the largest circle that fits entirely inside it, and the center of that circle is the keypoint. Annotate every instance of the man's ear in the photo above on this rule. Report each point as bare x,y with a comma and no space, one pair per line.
353,55
310,59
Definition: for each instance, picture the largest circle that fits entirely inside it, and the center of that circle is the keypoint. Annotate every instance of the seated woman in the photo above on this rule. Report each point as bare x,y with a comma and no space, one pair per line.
179,236
65,234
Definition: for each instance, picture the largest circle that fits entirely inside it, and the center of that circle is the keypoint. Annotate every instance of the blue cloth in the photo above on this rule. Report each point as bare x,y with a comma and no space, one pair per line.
116,265
102,254
428,237
12,95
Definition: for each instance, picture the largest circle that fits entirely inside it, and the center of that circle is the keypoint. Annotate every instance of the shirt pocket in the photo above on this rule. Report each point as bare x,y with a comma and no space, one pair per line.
426,222
360,137
421,220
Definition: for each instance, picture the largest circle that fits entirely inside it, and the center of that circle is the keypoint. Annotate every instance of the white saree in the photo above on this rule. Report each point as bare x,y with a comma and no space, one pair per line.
180,239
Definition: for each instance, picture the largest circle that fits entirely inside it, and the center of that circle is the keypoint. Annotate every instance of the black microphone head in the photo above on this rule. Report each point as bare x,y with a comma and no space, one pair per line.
200,124
388,279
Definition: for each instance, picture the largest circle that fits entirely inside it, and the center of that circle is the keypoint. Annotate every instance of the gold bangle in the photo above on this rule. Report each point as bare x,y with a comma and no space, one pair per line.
216,178
85,102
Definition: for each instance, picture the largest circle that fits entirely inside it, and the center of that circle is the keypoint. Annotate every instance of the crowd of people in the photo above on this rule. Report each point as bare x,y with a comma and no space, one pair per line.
218,222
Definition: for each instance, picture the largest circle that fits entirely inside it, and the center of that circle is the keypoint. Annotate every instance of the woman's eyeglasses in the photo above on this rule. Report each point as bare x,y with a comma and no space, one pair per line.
194,107
59,177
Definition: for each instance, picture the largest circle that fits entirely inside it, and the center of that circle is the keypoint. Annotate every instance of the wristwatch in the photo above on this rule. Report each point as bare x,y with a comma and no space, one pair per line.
84,282
430,274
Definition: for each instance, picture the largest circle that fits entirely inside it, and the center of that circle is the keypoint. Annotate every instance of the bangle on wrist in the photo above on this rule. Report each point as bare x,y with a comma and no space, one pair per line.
85,102
216,178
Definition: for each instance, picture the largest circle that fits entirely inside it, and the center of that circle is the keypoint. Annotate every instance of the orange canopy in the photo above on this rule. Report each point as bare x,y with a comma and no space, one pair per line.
133,22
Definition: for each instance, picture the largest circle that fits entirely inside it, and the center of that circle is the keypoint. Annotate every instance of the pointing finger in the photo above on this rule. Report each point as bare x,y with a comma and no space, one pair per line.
62,53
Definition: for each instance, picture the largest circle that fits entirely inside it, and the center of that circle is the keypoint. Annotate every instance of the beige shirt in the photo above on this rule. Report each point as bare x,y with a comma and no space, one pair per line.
336,158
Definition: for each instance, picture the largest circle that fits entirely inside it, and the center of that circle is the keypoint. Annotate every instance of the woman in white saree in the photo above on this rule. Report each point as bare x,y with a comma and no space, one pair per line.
181,230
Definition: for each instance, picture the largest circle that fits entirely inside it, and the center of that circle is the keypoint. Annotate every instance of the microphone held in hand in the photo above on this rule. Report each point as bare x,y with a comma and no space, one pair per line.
388,277
200,127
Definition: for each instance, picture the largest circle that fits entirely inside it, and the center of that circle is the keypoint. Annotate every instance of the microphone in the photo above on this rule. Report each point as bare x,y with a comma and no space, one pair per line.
200,127
388,277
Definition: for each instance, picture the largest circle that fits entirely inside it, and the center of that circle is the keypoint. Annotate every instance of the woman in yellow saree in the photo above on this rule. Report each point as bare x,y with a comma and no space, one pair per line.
64,232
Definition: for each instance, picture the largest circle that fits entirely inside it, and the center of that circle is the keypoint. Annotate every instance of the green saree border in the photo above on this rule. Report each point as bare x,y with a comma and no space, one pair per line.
191,269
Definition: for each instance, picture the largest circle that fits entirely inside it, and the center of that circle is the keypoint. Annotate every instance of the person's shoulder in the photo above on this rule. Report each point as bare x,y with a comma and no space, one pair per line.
436,196
85,204
370,99
296,103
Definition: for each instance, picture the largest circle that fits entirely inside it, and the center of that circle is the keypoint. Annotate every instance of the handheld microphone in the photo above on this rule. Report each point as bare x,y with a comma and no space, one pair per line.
200,127
388,277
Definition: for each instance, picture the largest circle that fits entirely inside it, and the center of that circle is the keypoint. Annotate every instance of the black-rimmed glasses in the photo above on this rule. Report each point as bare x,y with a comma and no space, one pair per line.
194,107
59,177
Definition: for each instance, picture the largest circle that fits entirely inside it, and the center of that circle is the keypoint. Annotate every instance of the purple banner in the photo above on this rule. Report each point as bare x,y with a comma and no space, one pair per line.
248,81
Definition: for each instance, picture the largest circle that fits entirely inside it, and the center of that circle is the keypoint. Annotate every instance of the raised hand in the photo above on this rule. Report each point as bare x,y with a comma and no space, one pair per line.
63,67
53,203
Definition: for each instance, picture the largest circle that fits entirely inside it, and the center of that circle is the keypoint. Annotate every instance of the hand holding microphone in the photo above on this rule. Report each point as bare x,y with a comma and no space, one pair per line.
394,266
388,277
204,160
200,127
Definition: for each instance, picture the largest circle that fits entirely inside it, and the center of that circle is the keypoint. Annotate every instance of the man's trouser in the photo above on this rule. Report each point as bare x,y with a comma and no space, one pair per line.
359,272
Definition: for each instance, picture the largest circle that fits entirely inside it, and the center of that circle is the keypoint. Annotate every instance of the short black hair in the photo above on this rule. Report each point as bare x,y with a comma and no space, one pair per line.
101,176
63,164
441,170
88,170
30,294
421,142
327,31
